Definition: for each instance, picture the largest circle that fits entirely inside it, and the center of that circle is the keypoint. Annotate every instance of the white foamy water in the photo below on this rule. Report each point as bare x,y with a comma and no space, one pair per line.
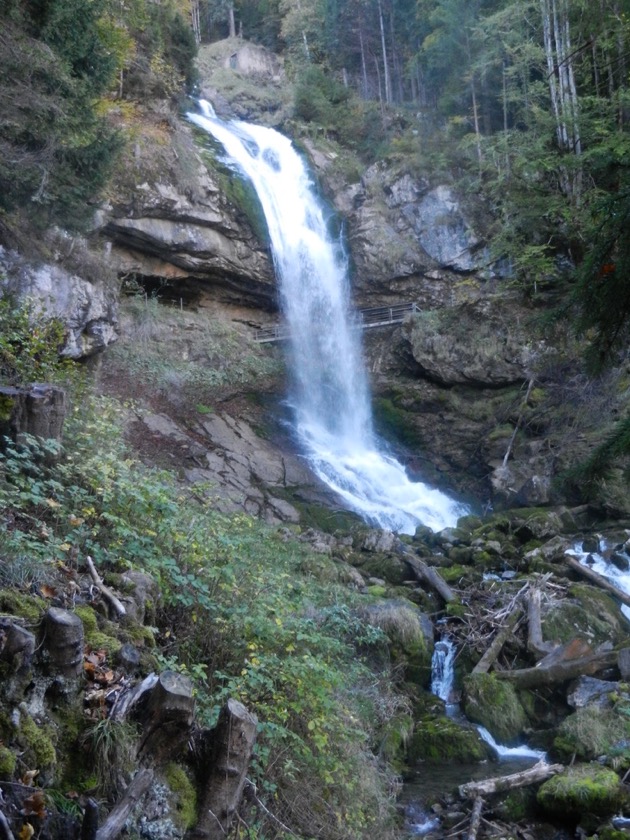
442,681
330,392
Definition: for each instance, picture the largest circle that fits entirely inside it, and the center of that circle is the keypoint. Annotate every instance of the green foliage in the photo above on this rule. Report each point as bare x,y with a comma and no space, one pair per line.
112,749
243,621
55,151
30,344
322,101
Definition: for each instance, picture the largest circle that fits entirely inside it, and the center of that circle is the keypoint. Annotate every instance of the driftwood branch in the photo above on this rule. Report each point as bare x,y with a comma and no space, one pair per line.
115,822
535,643
491,654
430,576
105,591
597,579
486,787
475,818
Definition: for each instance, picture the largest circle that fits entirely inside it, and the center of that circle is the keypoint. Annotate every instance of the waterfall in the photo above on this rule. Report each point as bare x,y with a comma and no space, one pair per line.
443,669
442,681
330,395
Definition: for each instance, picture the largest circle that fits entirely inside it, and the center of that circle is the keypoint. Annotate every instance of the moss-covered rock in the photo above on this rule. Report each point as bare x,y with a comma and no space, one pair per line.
585,789
29,607
591,732
440,740
96,638
494,704
588,612
38,749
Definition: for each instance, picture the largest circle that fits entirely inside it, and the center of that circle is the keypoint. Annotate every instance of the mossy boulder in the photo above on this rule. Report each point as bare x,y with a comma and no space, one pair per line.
592,732
494,704
589,613
583,790
439,740
96,638
7,763
409,631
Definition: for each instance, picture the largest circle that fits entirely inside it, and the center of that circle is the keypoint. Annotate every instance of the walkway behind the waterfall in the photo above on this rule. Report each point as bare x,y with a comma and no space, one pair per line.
364,319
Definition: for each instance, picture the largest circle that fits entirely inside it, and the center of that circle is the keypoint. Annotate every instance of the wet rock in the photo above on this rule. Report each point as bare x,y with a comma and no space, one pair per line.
588,691
495,705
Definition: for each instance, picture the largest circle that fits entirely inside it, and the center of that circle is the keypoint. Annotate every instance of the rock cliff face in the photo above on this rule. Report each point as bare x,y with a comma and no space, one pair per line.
463,385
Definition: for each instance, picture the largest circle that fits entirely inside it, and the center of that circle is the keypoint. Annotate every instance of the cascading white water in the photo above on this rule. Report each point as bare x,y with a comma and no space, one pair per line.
443,669
442,681
330,392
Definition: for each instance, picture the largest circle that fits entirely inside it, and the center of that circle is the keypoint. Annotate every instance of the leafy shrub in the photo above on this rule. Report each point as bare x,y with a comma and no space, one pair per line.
30,343
238,609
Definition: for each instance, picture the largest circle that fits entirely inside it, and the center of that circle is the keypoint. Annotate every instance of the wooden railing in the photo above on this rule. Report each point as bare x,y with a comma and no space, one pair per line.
365,319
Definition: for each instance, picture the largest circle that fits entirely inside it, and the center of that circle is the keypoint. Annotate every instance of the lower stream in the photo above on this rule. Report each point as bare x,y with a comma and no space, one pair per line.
428,783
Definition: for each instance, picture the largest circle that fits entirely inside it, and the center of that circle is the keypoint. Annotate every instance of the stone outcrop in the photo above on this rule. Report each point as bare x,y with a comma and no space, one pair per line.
235,467
191,242
80,297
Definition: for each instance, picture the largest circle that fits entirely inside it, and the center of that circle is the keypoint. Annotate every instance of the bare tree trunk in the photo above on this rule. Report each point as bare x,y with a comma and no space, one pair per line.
429,575
559,671
386,76
231,21
491,654
115,822
363,65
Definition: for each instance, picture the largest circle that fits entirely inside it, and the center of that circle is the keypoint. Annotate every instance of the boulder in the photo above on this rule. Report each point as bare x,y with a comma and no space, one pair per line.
495,705
582,790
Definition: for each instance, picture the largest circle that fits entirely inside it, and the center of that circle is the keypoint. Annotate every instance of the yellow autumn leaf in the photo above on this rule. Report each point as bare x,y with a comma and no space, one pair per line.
26,832
53,503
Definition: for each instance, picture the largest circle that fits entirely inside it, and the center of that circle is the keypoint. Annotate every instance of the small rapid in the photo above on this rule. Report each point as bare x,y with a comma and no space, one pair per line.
330,394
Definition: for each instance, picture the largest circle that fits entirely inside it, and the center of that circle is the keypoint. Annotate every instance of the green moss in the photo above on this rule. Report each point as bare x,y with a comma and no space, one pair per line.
26,606
377,591
7,763
440,740
395,423
456,609
583,789
589,613
6,407
94,637
494,704
36,741
184,793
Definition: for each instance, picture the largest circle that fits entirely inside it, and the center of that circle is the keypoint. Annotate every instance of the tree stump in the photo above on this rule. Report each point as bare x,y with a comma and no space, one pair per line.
168,718
63,641
227,751
38,410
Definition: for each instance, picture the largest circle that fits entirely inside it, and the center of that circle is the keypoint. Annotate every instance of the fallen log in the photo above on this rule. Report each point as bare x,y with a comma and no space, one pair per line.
475,818
116,820
597,579
559,671
491,654
430,576
486,787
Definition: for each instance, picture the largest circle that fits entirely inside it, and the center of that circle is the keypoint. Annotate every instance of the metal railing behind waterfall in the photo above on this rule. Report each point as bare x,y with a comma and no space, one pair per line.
365,319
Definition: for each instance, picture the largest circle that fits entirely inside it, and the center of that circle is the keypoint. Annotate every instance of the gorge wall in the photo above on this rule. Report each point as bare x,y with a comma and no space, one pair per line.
470,392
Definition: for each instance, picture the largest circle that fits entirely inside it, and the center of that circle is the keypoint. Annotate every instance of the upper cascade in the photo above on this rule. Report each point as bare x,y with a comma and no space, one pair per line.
330,394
